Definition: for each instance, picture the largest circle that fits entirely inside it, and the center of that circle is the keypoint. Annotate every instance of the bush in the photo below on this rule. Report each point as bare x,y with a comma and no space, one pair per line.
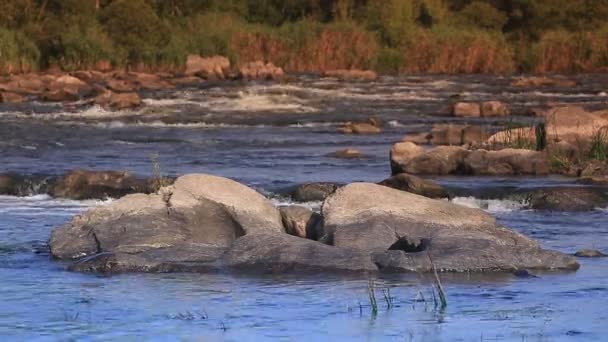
449,50
17,52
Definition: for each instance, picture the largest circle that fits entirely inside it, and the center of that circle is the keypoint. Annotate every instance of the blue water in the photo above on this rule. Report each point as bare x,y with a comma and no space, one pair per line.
40,300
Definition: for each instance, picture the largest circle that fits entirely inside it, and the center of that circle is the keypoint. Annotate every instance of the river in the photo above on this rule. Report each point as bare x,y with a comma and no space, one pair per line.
273,136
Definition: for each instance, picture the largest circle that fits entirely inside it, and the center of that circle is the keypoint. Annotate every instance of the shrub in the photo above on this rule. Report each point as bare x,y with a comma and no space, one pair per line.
17,52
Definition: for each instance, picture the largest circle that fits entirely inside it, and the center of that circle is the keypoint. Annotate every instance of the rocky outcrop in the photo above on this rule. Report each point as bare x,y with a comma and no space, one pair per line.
86,184
301,222
573,124
567,199
457,135
400,230
351,75
216,67
313,192
415,185
261,71
198,210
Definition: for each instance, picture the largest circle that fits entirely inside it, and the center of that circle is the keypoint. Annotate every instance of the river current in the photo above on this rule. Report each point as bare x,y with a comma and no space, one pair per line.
271,137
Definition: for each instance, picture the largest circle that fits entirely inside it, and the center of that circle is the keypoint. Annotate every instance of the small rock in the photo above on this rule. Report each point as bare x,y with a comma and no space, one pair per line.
352,75
314,192
370,127
349,153
300,221
466,110
401,154
590,253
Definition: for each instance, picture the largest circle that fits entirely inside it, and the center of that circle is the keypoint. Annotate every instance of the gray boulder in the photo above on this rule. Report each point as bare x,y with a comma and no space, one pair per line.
401,230
197,209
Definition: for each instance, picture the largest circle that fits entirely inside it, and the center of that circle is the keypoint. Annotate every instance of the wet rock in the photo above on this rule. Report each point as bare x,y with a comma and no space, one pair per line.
216,67
568,199
415,185
351,75
86,184
261,71
400,230
313,192
524,274
590,253
370,127
401,154
8,97
20,185
349,153
534,81
300,221
441,160
285,253
506,162
197,209
28,84
466,110
118,101
494,108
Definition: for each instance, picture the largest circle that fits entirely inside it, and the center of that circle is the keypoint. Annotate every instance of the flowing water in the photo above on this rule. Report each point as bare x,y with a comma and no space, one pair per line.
271,137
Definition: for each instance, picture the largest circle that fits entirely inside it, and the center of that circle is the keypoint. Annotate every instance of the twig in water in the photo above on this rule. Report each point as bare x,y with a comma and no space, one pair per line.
372,297
442,297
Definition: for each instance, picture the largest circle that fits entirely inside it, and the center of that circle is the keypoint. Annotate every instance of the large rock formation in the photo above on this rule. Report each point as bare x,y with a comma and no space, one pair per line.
506,162
401,230
204,223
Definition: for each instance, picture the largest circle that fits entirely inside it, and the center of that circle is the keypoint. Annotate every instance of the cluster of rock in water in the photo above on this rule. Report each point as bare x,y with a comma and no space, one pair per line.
207,223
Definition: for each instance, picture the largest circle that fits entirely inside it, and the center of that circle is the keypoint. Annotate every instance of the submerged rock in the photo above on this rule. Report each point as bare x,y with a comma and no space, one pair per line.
401,230
352,75
20,185
466,110
590,253
494,108
370,127
535,81
349,153
568,199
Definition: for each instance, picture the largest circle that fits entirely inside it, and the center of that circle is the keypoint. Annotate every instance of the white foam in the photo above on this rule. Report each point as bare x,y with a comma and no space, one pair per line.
284,202
489,205
38,205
